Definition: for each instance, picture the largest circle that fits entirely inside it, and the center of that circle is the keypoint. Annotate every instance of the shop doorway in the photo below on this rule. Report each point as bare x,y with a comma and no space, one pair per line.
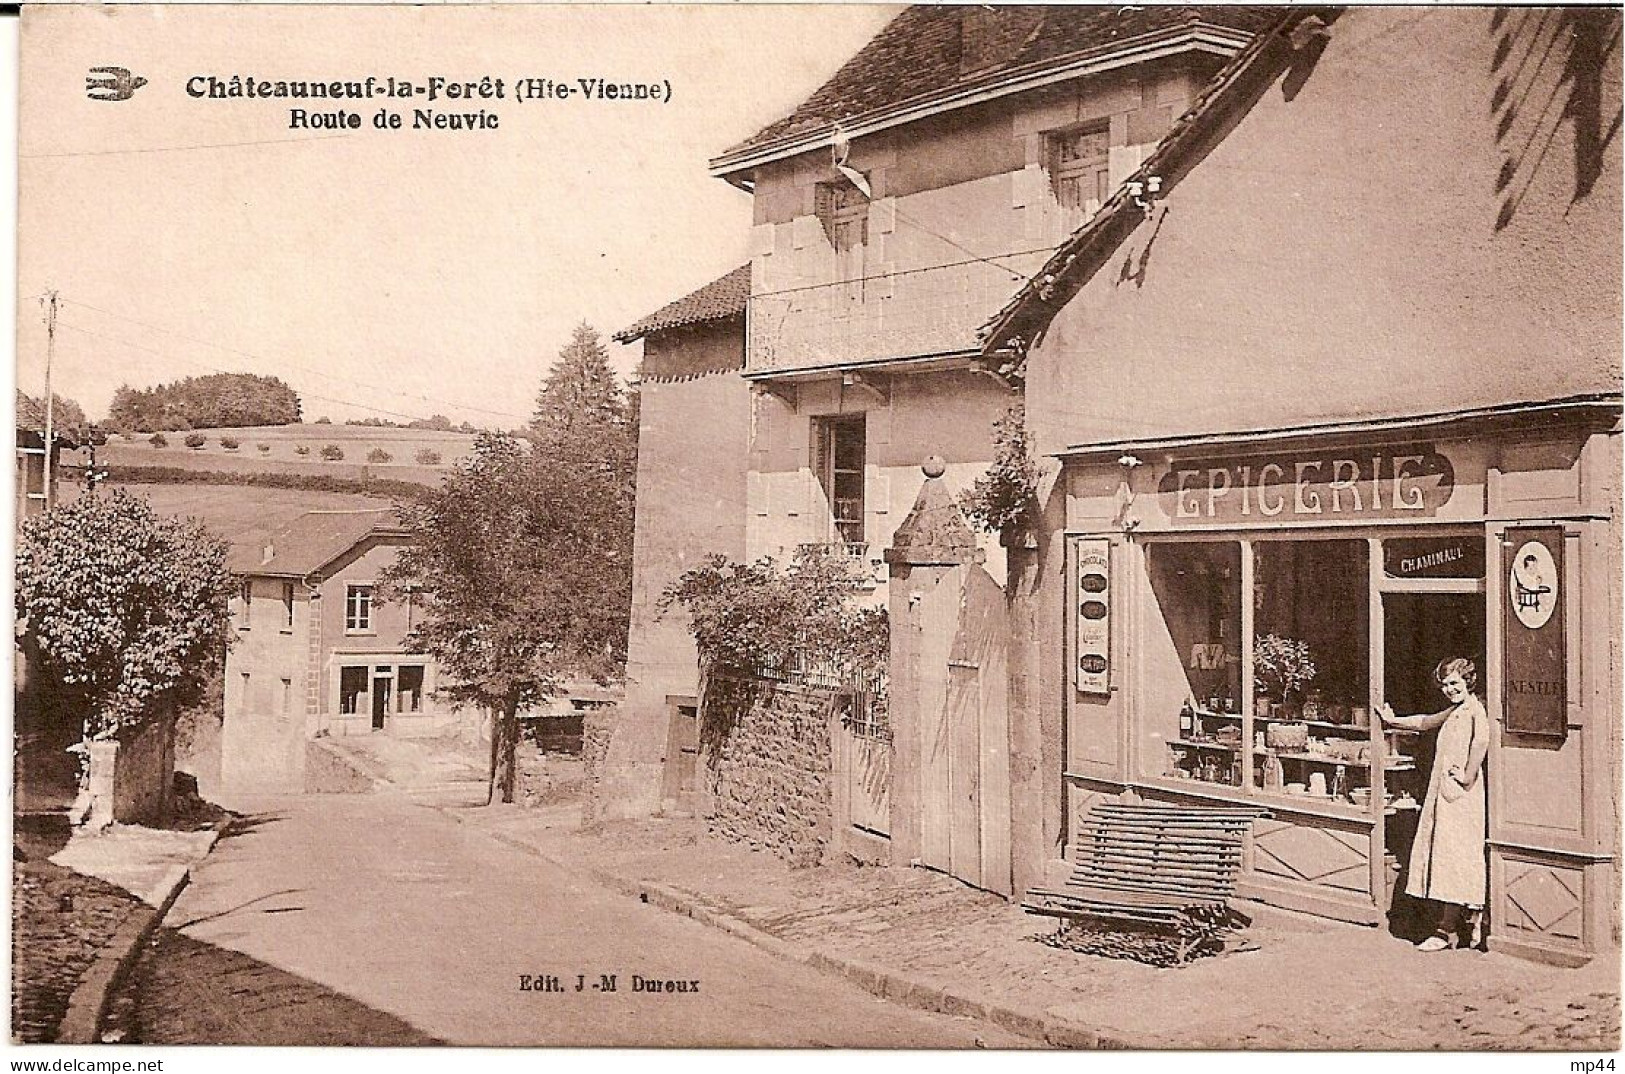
1419,630
380,700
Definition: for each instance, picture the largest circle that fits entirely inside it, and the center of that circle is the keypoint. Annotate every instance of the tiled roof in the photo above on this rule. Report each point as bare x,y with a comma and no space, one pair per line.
310,542
929,50
31,420
716,301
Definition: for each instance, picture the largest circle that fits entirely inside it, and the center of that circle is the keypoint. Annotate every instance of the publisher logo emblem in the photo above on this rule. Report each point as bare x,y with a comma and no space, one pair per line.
112,84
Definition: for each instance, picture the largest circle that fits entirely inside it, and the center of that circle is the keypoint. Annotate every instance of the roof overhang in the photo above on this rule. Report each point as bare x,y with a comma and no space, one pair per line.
1200,37
929,363
1596,412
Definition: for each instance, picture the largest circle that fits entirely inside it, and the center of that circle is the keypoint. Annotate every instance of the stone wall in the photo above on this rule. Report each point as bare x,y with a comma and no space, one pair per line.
132,775
766,748
545,777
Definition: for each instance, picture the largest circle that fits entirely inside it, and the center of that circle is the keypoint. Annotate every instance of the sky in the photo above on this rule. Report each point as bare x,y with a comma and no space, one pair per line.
388,273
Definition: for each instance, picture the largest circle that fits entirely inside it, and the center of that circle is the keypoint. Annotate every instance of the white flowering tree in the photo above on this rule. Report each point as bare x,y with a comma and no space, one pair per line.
125,613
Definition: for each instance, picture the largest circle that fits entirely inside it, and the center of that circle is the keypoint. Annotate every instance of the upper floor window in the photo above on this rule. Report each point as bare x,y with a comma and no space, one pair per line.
844,211
287,605
839,464
246,598
1080,167
358,609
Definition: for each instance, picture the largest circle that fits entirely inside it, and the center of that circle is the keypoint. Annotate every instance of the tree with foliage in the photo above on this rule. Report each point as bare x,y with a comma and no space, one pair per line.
521,563
127,611
751,618
219,400
69,426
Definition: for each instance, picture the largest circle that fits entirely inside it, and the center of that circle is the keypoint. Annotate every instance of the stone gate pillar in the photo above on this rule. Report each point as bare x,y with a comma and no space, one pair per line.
925,563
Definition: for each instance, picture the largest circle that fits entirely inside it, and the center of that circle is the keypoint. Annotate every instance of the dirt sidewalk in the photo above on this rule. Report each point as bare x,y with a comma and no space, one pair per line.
1311,984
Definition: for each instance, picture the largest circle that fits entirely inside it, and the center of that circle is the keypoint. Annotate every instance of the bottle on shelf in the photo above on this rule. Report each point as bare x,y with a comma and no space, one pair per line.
1187,720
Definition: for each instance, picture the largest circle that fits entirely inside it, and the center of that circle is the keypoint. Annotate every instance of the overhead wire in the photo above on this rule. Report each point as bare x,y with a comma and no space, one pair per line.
80,329
283,363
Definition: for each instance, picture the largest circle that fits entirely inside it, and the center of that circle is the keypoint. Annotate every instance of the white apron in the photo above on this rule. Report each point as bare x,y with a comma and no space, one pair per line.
1447,859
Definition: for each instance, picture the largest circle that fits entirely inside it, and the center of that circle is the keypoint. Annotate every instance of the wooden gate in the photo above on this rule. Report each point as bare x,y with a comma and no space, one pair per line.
863,755
965,760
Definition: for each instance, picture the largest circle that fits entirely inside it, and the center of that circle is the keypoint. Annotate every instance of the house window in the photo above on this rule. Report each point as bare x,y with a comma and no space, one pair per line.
352,684
409,689
358,609
246,595
287,696
287,605
1080,169
248,684
844,212
840,464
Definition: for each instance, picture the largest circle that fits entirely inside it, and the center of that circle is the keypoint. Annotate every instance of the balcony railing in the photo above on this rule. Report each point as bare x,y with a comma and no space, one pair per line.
904,314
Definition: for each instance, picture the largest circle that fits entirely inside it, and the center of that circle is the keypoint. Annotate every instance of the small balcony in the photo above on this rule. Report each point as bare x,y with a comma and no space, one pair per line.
900,315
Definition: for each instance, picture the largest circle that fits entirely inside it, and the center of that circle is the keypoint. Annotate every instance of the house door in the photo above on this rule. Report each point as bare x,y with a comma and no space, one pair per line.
1418,631
965,772
380,700
682,773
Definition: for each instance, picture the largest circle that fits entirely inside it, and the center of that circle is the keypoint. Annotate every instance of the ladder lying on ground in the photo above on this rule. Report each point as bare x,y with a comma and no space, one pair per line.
1153,881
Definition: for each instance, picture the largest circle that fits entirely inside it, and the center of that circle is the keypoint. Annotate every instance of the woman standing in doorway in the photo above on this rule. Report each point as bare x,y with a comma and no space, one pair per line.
1447,859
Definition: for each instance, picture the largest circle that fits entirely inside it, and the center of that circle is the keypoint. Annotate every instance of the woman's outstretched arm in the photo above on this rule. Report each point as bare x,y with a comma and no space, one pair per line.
1422,722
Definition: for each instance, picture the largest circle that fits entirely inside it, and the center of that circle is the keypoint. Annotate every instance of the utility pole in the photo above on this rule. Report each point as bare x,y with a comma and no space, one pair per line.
50,303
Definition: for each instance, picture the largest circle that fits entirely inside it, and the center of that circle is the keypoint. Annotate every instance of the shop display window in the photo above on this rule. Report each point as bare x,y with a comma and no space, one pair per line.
1193,723
1311,659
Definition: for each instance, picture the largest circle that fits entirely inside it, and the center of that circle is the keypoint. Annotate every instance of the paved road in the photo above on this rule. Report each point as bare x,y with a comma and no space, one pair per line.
379,919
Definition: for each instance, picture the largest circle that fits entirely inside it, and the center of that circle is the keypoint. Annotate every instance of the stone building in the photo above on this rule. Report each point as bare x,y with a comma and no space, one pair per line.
693,442
316,652
1346,374
895,210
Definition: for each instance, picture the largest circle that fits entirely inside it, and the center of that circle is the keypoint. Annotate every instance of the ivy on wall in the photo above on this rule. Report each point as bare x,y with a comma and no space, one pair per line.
1005,499
801,618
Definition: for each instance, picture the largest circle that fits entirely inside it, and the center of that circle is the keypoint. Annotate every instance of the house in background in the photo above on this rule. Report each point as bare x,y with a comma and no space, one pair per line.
316,652
33,497
693,444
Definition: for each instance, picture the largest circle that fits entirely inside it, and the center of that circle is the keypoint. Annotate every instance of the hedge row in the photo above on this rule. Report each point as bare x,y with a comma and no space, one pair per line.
175,475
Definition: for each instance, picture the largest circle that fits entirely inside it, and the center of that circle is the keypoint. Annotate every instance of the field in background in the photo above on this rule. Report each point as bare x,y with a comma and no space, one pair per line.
281,457
243,514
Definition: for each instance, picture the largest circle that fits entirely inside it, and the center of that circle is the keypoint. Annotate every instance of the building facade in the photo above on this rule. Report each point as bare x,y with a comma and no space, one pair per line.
898,207
316,652
894,212
1356,406
694,423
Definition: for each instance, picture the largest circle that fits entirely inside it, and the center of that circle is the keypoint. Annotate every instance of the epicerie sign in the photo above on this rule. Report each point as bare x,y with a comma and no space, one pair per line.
1411,482
1094,616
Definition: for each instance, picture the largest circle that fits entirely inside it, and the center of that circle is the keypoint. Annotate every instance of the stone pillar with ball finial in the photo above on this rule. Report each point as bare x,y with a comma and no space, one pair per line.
924,562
